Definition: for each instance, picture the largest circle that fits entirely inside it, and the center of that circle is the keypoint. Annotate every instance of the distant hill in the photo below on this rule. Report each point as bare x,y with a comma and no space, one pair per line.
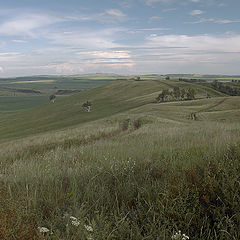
6,91
107,100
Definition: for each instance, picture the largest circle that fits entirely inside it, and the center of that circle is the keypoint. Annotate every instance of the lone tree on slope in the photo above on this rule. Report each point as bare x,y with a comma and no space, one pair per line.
52,98
87,106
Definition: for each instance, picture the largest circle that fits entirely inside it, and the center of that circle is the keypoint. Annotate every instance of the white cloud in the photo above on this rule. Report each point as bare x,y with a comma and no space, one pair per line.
6,57
24,25
152,29
18,41
195,1
64,68
151,2
213,20
154,18
222,5
111,16
115,12
111,54
169,9
198,43
125,4
187,54
86,39
196,12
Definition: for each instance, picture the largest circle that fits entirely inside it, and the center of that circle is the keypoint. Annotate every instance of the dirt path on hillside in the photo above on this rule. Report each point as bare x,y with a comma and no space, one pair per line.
74,142
213,106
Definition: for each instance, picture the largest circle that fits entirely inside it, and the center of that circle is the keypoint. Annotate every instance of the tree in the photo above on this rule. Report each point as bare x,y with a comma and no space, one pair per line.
190,94
214,84
166,94
171,95
167,78
183,92
163,95
176,92
160,97
52,98
87,106
138,78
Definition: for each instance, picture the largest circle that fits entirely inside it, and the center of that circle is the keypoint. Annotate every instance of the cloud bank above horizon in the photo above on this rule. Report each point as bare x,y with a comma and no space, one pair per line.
125,37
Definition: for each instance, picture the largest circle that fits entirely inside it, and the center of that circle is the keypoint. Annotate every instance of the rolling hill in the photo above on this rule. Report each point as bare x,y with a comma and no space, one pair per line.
131,168
107,100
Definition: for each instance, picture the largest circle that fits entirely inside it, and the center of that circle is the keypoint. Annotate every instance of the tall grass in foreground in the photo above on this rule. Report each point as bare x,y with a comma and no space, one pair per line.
143,184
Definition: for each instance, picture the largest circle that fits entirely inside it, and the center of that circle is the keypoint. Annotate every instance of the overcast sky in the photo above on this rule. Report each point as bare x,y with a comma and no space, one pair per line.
114,36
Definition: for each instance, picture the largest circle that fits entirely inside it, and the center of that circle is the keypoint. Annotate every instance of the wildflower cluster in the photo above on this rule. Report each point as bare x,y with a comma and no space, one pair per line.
74,221
130,165
88,228
179,236
44,230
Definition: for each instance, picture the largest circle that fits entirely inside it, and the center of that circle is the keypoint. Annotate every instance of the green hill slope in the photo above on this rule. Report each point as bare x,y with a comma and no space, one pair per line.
131,168
116,97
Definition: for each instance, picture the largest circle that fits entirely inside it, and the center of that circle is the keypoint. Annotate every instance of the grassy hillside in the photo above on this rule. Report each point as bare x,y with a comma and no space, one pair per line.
116,97
45,85
130,169
25,92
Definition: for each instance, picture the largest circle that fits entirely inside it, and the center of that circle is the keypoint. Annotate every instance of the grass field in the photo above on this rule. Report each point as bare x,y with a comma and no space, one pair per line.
26,92
129,169
10,105
107,100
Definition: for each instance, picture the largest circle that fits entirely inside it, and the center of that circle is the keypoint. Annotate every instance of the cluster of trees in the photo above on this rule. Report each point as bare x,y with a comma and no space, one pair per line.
176,94
192,80
224,88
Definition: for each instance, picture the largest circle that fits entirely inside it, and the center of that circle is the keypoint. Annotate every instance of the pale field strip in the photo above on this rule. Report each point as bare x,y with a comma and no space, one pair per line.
34,81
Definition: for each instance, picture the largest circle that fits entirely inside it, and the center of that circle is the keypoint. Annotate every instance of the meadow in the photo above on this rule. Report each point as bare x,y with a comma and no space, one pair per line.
27,92
129,169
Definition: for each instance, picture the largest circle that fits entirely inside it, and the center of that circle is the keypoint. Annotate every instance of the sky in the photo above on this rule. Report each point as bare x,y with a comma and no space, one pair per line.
67,37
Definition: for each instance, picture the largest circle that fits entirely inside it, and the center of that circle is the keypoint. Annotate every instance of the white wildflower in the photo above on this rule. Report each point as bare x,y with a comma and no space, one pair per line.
43,229
88,228
73,218
74,221
179,236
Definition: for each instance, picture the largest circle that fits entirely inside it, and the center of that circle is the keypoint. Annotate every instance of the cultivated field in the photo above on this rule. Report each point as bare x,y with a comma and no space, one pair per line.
131,168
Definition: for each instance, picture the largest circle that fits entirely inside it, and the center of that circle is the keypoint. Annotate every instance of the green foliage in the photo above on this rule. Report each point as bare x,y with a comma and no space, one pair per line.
176,94
87,106
226,88
52,98
190,94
